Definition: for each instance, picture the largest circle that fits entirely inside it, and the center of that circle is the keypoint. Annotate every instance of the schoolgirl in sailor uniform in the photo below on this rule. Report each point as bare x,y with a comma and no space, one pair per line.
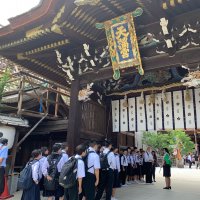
34,192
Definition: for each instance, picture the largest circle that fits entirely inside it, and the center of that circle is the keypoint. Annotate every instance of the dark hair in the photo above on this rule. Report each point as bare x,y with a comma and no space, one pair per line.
56,148
93,143
107,143
64,145
43,150
4,141
166,149
80,149
125,150
35,153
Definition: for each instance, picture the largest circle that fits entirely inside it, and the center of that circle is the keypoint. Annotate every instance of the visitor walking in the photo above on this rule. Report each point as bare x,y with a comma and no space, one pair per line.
167,169
189,158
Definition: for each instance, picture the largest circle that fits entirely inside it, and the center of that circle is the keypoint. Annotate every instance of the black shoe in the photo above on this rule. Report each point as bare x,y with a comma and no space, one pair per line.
154,181
166,188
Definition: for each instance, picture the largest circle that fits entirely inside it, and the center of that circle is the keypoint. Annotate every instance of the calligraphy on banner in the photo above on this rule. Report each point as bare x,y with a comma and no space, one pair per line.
122,41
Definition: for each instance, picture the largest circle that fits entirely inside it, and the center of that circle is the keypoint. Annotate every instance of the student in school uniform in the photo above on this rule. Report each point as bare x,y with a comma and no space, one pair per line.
134,166
34,192
148,157
141,166
75,193
56,157
91,179
3,158
129,169
107,175
45,153
116,183
124,164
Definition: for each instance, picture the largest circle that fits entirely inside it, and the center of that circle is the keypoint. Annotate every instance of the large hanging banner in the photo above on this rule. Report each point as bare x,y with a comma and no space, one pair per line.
141,121
167,108
122,42
158,112
197,102
131,111
178,110
115,115
189,109
123,115
150,113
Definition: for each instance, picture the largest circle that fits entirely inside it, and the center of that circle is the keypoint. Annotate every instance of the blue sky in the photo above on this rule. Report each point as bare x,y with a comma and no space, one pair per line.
12,8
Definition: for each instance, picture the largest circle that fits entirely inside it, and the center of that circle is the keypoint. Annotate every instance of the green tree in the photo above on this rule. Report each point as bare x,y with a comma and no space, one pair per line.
157,141
171,140
4,77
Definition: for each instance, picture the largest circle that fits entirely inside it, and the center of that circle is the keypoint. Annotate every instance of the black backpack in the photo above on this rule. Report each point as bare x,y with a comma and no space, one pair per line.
25,180
52,172
68,175
104,161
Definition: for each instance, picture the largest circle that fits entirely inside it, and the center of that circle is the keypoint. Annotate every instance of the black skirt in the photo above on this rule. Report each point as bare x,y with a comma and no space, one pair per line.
59,192
167,170
31,194
129,170
116,183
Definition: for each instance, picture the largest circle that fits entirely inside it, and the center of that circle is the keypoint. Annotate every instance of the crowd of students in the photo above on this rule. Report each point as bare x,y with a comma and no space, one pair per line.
99,170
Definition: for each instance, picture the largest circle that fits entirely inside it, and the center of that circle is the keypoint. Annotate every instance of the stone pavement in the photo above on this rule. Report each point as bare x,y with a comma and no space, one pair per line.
185,186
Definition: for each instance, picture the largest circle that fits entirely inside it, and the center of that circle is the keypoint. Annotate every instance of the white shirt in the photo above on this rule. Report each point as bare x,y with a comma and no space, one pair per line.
93,161
124,161
80,168
129,158
111,158
46,166
148,157
117,162
36,172
189,158
63,160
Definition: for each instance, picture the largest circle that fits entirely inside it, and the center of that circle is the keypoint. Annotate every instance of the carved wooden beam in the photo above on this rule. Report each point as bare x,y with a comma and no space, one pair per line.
186,57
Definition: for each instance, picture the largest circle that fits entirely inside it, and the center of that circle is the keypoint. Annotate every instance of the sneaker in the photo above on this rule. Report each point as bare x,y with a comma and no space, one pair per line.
129,183
125,185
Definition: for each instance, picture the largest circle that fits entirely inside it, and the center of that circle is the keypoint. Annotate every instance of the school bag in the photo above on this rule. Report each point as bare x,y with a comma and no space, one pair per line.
50,185
104,161
68,174
25,180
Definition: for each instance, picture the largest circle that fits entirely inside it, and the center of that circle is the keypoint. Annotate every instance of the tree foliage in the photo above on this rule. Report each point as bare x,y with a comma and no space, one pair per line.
171,140
4,77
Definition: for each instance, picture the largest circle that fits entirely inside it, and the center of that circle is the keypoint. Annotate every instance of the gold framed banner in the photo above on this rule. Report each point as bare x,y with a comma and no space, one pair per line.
122,42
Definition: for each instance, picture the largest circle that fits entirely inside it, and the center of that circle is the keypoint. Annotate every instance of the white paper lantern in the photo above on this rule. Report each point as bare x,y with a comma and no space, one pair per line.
8,133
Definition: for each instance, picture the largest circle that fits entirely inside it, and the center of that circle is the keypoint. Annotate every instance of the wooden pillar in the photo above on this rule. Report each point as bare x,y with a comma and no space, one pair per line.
14,151
74,124
20,97
56,105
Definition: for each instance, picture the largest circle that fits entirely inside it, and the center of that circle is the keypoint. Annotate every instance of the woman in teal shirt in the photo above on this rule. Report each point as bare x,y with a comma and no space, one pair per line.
167,169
